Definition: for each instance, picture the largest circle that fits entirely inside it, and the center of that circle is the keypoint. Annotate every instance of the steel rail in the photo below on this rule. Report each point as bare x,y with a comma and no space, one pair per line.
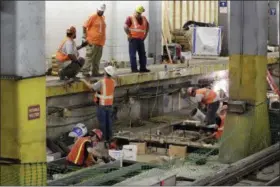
242,167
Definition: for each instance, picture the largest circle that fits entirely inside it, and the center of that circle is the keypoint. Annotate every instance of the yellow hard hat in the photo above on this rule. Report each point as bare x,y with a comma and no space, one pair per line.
140,9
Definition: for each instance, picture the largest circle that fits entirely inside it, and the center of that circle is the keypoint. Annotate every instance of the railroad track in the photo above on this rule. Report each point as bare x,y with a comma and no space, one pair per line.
260,169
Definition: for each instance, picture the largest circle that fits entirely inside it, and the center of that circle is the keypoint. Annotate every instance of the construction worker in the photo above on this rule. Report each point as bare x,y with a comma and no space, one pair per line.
208,98
219,126
67,56
220,122
95,36
103,97
137,27
83,152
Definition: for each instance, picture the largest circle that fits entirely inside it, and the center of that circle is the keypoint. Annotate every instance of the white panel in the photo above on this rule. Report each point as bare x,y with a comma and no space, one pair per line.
62,14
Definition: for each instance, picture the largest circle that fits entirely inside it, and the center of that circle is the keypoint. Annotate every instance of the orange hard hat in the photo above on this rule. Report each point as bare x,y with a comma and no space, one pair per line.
71,30
98,133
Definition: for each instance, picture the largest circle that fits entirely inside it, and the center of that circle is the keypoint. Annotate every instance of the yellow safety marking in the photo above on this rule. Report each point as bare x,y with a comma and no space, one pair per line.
23,130
247,133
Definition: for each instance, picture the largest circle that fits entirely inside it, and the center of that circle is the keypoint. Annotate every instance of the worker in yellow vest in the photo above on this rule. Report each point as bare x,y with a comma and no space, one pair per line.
137,29
104,96
67,56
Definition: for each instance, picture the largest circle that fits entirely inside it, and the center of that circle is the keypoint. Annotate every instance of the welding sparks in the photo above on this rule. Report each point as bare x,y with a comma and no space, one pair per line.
221,87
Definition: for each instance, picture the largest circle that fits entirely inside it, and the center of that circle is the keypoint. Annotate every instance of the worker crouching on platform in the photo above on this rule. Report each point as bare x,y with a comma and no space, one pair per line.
137,28
209,98
104,96
83,153
67,56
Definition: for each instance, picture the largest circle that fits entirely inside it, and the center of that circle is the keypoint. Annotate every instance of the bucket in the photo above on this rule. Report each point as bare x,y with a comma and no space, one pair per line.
196,114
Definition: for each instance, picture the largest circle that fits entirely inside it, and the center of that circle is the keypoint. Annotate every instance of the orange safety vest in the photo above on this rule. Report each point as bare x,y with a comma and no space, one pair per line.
208,95
60,56
96,30
106,95
76,155
136,30
220,130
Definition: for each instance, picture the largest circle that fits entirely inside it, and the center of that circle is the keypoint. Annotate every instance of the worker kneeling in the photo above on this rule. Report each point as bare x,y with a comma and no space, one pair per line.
83,153
67,56
209,98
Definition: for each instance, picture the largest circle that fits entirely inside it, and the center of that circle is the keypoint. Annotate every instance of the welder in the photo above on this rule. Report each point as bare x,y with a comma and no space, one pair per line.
207,98
84,152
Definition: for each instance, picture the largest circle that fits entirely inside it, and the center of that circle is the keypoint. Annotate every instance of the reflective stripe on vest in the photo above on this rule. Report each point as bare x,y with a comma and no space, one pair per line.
137,30
76,154
107,92
208,95
60,56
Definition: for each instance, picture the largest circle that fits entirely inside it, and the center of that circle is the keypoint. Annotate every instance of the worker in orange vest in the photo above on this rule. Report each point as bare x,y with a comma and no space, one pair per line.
221,122
67,56
83,153
208,98
137,28
104,96
95,36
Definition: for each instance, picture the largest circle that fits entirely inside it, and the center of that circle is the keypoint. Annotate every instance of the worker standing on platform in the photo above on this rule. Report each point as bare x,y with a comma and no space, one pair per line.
67,56
137,28
209,99
95,36
104,98
83,153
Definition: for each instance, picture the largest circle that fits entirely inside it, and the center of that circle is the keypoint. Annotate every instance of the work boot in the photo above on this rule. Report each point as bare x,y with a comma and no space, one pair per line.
144,70
135,71
61,76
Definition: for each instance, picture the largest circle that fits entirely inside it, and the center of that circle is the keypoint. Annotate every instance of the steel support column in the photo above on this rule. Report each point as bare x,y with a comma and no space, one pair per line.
247,133
23,93
155,46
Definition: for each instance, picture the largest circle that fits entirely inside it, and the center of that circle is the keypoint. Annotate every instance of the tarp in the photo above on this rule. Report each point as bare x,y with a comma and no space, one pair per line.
206,41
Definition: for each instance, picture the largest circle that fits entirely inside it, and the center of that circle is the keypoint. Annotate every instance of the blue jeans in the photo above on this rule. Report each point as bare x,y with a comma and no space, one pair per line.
137,45
104,116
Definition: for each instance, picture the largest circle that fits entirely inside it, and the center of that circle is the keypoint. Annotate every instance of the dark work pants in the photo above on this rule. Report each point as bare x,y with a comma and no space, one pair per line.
72,69
211,112
137,45
104,116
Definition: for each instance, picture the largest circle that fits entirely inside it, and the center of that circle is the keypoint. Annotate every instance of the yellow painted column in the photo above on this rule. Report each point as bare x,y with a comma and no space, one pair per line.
23,94
247,133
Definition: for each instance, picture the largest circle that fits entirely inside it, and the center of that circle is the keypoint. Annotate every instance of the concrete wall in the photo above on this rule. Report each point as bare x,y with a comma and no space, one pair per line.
62,14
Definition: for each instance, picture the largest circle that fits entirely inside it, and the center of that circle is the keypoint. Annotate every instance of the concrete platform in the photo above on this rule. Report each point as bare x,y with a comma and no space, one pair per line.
184,168
196,66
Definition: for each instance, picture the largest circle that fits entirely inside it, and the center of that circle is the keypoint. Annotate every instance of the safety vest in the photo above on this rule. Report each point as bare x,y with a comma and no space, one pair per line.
106,95
76,155
60,56
96,30
136,30
208,95
220,130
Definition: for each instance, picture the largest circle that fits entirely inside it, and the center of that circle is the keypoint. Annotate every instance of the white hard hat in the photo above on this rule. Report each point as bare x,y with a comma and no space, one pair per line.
110,70
102,7
79,130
